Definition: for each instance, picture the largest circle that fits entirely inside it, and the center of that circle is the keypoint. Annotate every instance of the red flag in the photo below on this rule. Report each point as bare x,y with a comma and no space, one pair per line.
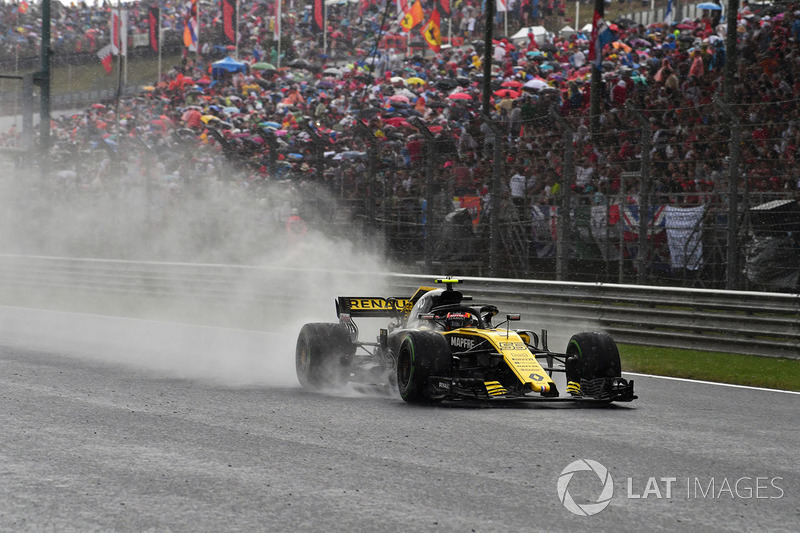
412,17
230,15
445,5
432,32
106,57
153,21
115,32
319,15
23,7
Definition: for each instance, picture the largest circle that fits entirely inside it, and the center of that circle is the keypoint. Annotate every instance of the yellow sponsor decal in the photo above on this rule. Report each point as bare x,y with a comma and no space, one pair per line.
376,304
494,388
512,346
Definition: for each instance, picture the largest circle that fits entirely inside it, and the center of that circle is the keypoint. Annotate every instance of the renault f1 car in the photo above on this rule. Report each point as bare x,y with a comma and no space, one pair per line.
439,346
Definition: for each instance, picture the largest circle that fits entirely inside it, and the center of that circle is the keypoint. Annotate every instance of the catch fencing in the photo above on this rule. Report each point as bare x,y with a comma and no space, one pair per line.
766,324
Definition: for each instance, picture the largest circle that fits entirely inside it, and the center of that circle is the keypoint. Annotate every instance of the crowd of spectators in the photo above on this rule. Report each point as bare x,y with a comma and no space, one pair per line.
303,122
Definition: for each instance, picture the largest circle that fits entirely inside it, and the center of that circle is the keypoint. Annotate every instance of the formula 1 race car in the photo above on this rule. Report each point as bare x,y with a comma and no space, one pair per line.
439,346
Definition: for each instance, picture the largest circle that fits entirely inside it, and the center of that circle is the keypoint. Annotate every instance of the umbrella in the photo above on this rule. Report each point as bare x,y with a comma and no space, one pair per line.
227,64
351,154
459,96
231,110
409,94
208,118
511,83
536,84
332,71
446,84
397,79
709,6
263,66
301,63
506,93
399,98
269,124
414,80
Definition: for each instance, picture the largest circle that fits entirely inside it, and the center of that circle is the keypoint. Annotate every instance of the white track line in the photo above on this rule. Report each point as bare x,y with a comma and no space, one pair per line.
712,383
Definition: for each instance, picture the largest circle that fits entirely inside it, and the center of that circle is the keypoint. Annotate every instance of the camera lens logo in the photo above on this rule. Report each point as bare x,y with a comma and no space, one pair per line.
586,509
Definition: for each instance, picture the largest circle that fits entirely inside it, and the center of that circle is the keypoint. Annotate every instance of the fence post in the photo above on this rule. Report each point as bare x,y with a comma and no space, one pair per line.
732,266
430,160
27,111
567,179
494,191
644,194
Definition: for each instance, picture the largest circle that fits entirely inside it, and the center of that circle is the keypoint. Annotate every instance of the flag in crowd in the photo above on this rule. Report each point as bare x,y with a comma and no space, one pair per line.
432,32
319,15
669,14
119,32
190,27
230,27
154,27
601,36
106,57
412,15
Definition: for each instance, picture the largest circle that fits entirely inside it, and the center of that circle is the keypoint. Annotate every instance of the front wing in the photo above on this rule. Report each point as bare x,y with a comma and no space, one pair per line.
602,390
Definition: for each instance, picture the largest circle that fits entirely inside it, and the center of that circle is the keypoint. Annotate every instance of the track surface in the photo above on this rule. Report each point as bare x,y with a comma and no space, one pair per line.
94,443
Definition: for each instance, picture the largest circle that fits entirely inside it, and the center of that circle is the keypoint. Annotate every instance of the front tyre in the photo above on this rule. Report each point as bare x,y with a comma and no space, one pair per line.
592,365
422,354
323,355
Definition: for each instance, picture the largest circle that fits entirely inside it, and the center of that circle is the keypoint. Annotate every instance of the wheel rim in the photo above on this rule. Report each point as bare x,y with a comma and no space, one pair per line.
303,358
404,369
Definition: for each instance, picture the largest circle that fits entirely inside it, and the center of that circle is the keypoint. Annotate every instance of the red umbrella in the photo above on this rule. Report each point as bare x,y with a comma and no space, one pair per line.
506,93
459,96
395,121
512,83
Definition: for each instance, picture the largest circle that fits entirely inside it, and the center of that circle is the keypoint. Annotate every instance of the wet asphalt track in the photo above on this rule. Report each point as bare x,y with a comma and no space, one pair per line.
88,444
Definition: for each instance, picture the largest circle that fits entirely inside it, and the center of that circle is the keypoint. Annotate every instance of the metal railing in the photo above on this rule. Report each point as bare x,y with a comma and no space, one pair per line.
765,324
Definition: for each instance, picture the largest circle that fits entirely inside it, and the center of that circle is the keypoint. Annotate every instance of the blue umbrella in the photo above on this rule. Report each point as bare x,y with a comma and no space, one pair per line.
709,6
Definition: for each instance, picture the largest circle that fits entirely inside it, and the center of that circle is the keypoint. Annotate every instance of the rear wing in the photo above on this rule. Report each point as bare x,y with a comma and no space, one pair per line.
370,306
378,306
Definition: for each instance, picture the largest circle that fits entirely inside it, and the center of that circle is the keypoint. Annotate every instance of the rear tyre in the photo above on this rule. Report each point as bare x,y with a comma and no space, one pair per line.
323,356
422,354
592,355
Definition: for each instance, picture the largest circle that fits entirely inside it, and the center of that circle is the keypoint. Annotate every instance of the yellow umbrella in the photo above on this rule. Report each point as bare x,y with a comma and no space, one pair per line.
208,118
415,81
250,87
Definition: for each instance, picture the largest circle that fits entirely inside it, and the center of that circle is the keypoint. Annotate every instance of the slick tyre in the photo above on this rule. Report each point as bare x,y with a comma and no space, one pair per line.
592,355
422,354
323,356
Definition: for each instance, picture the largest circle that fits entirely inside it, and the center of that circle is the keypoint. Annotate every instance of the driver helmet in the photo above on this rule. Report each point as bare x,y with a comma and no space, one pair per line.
459,319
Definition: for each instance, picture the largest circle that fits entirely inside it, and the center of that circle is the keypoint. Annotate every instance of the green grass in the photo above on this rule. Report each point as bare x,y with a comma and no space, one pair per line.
773,373
92,76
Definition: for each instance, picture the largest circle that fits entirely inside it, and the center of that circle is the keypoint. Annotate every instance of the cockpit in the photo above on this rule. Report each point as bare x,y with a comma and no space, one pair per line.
448,312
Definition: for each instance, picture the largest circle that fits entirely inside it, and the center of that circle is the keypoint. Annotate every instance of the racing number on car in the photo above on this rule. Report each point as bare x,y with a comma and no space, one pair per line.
536,377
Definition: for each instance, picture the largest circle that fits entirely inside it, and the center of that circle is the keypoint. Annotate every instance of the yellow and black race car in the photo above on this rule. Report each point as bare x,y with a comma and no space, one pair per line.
439,346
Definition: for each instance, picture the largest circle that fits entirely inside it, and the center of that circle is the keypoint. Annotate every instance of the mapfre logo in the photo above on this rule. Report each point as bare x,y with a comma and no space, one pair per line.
585,509
462,342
